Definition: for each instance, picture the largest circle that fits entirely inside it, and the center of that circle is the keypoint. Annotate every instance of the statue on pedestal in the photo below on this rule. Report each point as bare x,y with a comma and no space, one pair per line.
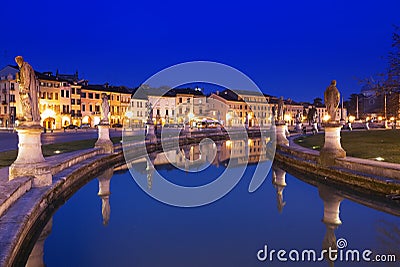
332,99
28,91
280,109
105,108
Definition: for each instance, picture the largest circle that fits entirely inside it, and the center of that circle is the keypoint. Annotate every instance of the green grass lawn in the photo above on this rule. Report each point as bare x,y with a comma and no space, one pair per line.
8,157
362,144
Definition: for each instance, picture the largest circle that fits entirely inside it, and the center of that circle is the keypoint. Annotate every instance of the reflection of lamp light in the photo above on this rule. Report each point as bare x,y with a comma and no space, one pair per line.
367,118
392,118
85,119
191,116
249,116
228,116
326,118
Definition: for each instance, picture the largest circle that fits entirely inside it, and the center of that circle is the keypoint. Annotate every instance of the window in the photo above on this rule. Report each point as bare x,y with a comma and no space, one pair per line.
97,108
180,100
97,96
72,101
83,95
137,104
188,100
12,98
166,112
90,95
66,93
5,110
117,97
83,107
138,113
12,86
56,96
158,112
90,108
173,112
73,91
41,83
78,101
49,84
50,96
78,91
62,93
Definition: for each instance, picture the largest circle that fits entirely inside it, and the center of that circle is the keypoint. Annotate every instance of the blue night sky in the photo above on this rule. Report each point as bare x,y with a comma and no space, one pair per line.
289,48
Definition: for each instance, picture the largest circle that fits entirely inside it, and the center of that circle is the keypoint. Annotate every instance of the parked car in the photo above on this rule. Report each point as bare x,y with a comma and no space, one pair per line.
85,126
117,125
71,126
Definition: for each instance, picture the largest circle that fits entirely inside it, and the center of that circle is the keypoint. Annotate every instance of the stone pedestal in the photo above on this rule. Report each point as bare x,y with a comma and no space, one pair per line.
332,148
103,140
281,133
151,134
30,160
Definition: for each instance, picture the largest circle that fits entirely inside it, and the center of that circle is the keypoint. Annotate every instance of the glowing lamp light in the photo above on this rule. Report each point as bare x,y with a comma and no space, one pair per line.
57,152
392,118
191,116
379,118
352,118
229,143
326,118
249,116
379,159
367,118
96,120
287,117
129,114
47,113
228,117
250,142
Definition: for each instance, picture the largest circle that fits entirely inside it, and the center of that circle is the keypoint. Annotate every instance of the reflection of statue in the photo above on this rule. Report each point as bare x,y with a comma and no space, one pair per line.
280,109
104,194
105,108
28,91
279,182
312,115
36,258
332,99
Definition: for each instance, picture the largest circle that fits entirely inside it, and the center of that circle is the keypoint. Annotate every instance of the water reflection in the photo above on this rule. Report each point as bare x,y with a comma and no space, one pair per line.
36,258
104,193
331,218
230,210
279,182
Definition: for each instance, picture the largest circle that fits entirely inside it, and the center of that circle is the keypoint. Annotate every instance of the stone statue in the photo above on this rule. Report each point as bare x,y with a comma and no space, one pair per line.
298,117
149,111
105,108
274,112
332,99
28,91
280,109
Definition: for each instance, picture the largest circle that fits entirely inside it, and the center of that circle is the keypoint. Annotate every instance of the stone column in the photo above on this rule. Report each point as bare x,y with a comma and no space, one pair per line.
103,140
280,128
30,160
332,148
104,194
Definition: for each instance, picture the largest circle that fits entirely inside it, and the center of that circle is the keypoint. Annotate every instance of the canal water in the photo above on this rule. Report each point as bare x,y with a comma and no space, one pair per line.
111,221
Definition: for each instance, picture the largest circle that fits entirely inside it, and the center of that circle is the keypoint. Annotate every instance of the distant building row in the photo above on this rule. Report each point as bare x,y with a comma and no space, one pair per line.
65,100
